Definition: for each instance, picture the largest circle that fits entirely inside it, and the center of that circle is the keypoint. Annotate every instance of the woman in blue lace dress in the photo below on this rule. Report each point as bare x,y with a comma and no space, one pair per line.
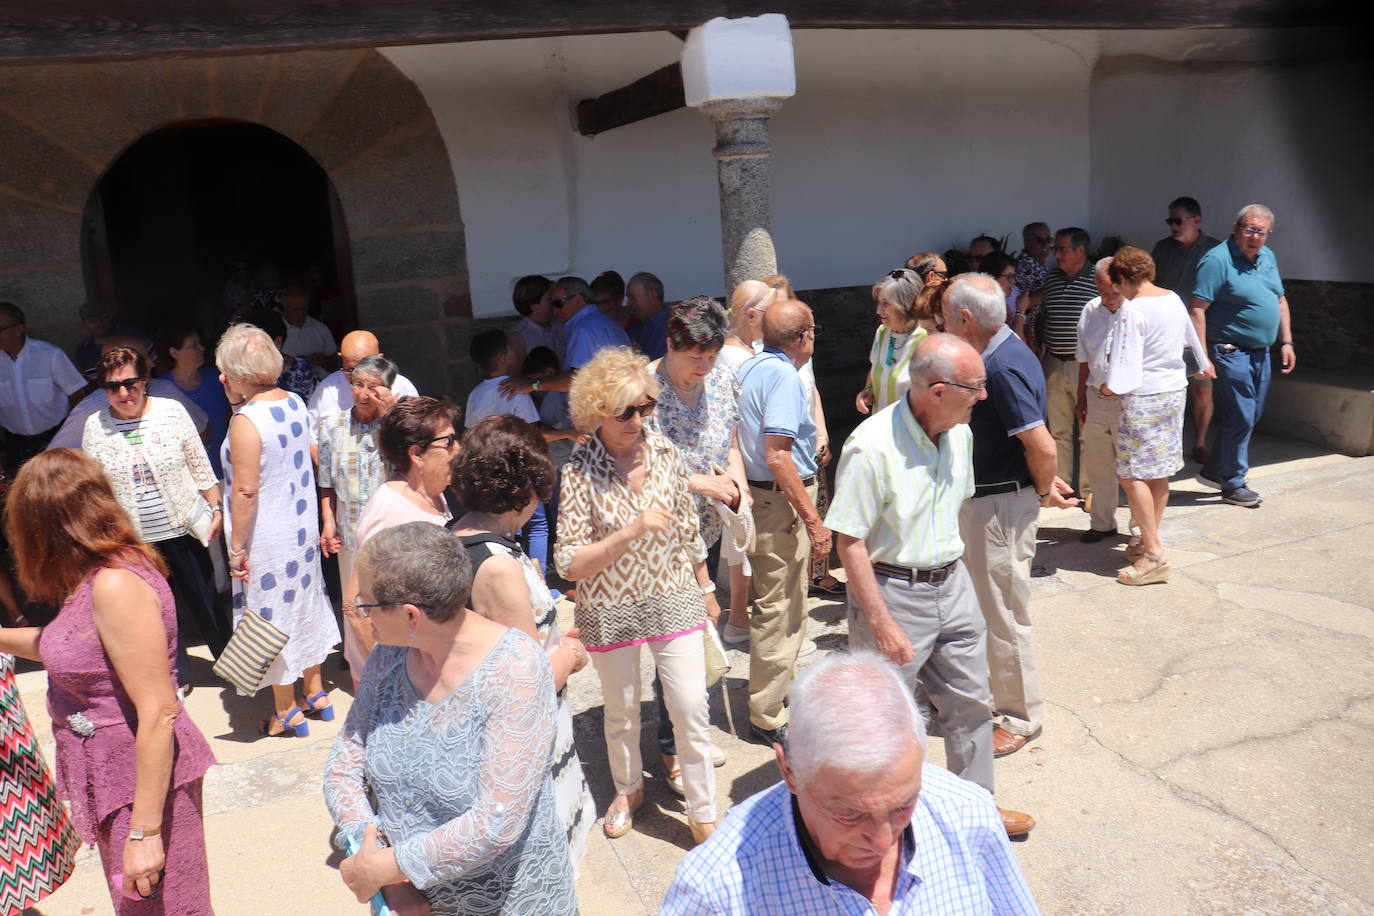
452,733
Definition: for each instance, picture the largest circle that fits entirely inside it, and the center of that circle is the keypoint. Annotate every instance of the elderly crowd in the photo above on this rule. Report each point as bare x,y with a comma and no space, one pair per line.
652,453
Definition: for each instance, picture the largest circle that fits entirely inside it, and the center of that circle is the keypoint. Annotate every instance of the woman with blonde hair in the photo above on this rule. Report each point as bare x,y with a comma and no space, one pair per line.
629,536
129,759
893,343
1146,370
273,525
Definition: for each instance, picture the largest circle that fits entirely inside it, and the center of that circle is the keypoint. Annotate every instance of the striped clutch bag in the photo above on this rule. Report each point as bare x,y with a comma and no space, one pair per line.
251,651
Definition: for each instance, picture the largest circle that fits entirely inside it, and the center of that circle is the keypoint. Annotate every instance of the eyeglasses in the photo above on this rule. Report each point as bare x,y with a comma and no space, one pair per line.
15,325
448,442
936,273
1178,220
558,303
1065,248
1256,233
809,332
117,386
642,409
973,388
365,610
1008,277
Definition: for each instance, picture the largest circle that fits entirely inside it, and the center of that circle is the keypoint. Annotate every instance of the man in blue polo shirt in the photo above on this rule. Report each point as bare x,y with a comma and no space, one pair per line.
777,438
1014,461
1239,309
587,329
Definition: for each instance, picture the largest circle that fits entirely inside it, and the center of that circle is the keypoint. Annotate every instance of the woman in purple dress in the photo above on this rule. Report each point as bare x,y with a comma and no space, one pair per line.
129,759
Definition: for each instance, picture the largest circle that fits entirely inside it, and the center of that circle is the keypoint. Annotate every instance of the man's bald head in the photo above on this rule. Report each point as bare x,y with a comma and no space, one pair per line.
784,322
947,379
358,345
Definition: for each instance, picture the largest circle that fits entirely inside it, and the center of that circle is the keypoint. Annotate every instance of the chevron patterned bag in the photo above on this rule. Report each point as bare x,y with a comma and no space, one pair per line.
251,651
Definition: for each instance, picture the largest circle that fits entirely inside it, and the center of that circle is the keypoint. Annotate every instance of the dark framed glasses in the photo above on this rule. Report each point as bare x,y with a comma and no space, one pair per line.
973,388
642,409
119,385
443,442
365,610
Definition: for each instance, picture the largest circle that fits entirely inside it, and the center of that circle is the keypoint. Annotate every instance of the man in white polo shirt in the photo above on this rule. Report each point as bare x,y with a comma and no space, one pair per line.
38,386
306,337
335,393
903,478
1099,416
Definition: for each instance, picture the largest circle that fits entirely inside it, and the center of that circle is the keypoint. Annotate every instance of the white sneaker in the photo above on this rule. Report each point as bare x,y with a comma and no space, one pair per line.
735,637
717,757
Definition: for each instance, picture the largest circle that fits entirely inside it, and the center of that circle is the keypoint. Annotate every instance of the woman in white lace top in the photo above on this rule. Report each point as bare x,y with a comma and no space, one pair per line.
159,470
452,733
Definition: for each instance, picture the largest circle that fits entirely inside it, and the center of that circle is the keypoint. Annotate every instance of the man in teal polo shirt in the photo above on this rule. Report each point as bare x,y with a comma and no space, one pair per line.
1240,310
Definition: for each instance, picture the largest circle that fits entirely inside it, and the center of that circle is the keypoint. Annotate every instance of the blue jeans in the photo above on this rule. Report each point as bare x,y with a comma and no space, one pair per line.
536,533
1239,391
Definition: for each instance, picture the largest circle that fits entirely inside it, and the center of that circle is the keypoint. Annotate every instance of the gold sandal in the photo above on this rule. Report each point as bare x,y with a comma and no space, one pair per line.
619,820
701,832
1159,572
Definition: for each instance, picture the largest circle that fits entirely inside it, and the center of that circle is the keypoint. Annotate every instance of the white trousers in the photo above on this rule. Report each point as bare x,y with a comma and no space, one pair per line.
681,664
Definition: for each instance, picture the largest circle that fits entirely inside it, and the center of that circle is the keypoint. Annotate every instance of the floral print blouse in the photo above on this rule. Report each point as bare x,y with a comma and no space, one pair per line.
702,433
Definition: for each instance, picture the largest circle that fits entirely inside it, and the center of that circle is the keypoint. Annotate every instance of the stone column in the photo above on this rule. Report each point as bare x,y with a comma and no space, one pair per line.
737,72
746,218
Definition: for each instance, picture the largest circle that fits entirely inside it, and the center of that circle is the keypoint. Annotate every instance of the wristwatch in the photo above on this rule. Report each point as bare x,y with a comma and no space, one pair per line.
1044,496
140,833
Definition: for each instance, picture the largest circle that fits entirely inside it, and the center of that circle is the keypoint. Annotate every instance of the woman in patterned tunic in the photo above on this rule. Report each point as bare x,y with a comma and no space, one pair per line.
629,536
38,846
272,525
501,474
452,734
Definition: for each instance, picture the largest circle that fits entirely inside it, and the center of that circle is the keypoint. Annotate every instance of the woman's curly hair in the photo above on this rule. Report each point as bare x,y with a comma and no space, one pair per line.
504,464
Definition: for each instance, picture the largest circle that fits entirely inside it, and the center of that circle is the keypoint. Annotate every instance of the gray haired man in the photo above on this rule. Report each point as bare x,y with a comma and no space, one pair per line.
860,823
903,477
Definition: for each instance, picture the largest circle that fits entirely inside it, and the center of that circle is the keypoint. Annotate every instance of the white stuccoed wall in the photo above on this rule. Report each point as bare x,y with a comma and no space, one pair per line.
1233,118
896,142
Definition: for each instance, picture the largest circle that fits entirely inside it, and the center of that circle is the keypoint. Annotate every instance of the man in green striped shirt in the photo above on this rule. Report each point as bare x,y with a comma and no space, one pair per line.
903,477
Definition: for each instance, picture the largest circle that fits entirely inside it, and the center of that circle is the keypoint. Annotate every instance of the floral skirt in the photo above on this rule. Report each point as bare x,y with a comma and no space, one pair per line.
1149,441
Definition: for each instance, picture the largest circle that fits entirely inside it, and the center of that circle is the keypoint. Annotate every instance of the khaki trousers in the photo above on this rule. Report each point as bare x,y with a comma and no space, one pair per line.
1061,389
777,614
1099,459
999,543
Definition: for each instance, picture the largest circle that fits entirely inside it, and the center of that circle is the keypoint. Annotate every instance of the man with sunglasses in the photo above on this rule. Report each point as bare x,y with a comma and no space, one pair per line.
38,386
777,438
1240,310
1176,259
588,330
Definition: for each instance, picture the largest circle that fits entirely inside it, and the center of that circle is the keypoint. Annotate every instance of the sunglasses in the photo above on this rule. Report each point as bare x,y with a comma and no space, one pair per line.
642,409
118,386
1178,220
558,303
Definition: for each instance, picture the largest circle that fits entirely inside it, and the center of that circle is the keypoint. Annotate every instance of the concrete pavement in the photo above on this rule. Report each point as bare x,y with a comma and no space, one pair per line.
1206,743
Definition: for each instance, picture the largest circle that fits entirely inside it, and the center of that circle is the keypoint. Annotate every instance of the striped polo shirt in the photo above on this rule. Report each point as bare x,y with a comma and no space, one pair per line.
1062,304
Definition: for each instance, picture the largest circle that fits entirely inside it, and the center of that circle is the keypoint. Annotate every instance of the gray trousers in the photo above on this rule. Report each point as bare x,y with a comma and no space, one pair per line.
947,632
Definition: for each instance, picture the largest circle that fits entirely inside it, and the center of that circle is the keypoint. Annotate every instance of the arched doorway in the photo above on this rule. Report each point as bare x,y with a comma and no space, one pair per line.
188,207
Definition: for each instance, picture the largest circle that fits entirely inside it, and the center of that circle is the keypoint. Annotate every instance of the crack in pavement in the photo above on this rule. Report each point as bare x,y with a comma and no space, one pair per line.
1198,800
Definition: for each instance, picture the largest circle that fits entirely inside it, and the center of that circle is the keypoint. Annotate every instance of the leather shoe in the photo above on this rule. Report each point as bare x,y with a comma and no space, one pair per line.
1092,535
1004,742
1016,823
770,736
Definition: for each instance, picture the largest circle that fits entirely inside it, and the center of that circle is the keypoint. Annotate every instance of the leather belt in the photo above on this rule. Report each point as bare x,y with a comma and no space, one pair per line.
992,489
773,484
934,576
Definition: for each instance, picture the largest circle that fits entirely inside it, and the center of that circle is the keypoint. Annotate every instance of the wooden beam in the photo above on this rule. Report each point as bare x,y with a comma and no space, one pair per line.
57,30
658,93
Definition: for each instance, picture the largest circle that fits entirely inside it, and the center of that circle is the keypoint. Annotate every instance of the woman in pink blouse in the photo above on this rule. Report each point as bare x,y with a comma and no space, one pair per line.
629,535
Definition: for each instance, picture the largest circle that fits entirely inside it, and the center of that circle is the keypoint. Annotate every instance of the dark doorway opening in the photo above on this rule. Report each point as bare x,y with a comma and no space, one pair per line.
181,207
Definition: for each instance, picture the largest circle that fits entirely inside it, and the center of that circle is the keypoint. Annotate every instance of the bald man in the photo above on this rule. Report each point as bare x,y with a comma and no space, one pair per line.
777,436
335,393
69,436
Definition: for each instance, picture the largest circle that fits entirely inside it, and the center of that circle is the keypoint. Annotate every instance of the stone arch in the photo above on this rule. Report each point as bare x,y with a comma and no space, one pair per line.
366,124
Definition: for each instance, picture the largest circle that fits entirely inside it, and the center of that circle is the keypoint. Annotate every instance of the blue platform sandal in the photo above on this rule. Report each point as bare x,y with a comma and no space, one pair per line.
323,713
288,731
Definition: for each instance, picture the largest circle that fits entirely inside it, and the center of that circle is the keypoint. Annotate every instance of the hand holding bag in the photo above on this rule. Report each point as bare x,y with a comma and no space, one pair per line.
252,649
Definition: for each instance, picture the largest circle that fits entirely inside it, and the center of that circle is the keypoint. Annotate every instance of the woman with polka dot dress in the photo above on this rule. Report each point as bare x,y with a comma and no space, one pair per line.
273,525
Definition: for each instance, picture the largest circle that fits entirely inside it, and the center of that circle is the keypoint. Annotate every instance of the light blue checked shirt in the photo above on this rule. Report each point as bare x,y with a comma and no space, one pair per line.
956,859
